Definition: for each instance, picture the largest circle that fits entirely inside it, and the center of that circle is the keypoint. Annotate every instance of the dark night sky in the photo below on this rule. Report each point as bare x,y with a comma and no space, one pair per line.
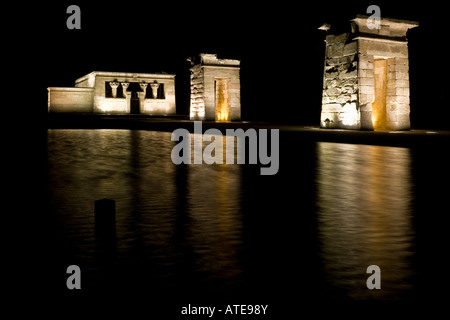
280,48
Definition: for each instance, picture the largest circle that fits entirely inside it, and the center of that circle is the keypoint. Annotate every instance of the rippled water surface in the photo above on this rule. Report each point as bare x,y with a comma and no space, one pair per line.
331,211
364,199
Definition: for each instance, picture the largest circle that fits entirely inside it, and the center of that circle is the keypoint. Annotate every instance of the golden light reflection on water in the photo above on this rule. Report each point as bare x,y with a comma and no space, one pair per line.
364,218
213,199
168,217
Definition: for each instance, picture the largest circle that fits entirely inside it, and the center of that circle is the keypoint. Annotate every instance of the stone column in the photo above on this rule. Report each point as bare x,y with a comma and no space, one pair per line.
127,95
124,88
142,96
114,86
154,87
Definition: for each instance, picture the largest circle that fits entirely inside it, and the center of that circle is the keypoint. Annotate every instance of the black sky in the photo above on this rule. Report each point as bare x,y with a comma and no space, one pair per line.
280,48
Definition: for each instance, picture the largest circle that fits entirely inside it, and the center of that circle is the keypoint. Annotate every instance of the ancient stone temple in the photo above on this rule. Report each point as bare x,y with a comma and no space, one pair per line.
366,75
116,93
215,88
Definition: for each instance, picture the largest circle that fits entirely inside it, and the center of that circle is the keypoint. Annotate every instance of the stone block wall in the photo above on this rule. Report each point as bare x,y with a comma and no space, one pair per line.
398,96
156,107
70,99
340,83
197,107
366,90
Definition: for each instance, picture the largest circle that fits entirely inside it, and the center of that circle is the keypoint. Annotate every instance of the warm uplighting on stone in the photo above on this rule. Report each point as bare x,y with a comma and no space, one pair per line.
222,100
380,87
215,89
116,93
222,116
366,76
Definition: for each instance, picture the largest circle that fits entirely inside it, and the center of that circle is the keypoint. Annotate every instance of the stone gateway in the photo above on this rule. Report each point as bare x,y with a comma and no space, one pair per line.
215,88
366,76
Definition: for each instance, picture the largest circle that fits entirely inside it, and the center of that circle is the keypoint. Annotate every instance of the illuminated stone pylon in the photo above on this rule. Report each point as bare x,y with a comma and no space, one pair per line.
215,88
366,76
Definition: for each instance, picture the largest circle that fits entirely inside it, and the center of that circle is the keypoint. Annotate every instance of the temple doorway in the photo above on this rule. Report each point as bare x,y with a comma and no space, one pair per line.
380,87
222,99
134,103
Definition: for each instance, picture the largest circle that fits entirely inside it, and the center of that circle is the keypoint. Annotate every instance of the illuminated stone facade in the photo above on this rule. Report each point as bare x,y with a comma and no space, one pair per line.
215,89
366,76
116,93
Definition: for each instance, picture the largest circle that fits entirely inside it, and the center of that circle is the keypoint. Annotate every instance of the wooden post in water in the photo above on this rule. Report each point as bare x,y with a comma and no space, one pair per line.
105,213
105,227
